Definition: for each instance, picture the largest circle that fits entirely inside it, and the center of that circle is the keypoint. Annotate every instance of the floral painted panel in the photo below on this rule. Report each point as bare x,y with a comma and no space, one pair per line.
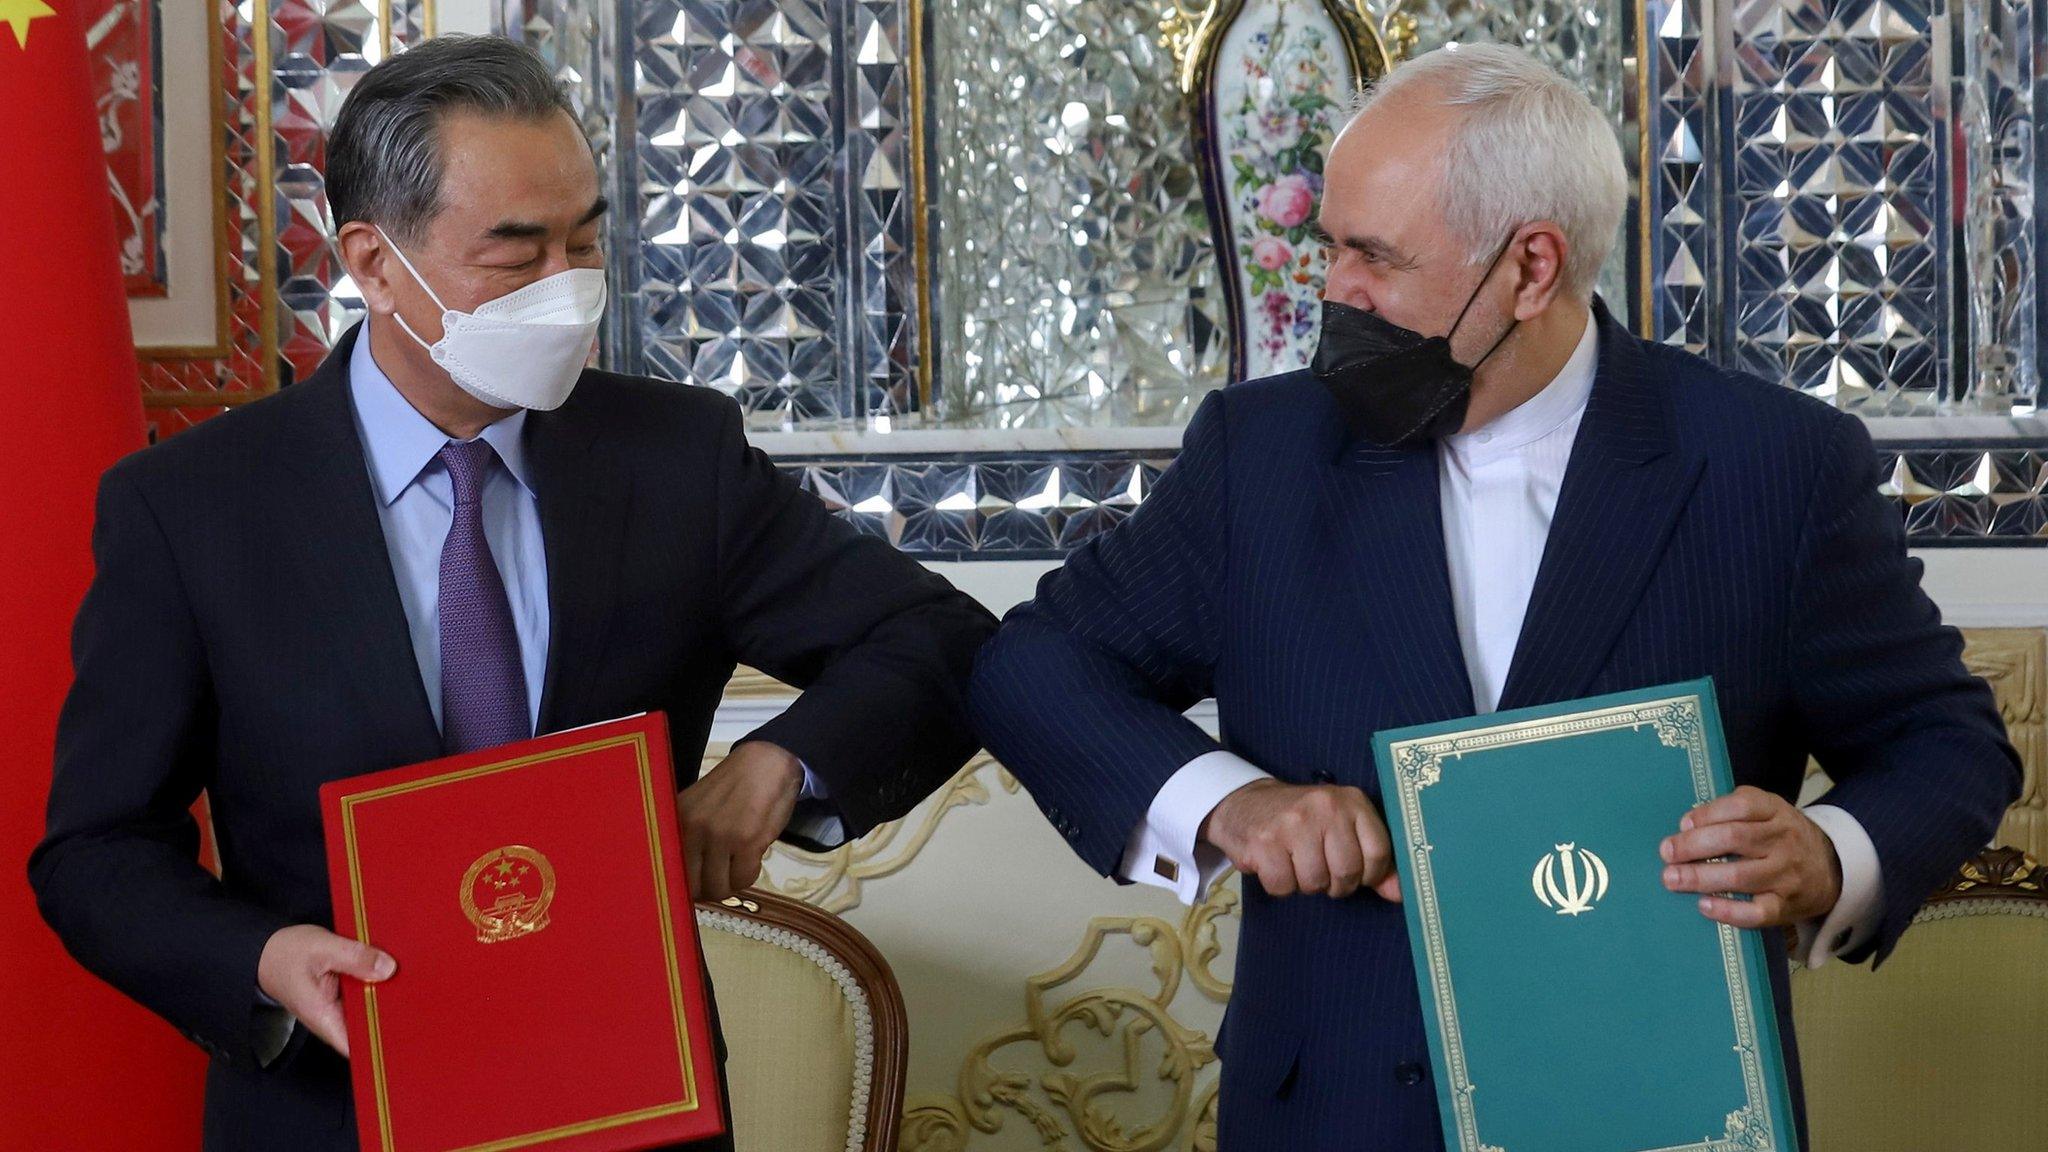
1282,87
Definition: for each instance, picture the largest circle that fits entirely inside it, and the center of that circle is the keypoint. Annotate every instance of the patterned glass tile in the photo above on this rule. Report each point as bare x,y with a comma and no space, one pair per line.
878,143
2004,168
1827,267
1972,495
1679,207
411,22
317,48
1077,278
987,508
1580,40
739,283
1839,284
1807,213
1045,506
571,37
772,251
938,502
768,249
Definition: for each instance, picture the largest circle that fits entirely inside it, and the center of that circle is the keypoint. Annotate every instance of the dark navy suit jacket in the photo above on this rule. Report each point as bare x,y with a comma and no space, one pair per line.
1710,524
244,636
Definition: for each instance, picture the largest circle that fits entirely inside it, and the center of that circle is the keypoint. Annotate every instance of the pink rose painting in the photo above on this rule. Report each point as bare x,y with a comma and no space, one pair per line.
1279,108
1271,253
1287,201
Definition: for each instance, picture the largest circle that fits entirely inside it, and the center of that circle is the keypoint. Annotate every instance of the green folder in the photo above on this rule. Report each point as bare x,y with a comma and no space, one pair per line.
1572,1002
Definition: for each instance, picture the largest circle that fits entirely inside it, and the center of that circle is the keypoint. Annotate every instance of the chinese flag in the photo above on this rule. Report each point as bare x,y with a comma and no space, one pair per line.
81,1067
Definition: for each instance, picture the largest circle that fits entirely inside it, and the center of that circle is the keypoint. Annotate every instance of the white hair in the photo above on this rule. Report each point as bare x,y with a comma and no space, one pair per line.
1530,146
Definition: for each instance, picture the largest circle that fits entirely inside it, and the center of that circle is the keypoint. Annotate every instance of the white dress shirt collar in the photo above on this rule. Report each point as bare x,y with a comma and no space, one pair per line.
399,442
1560,400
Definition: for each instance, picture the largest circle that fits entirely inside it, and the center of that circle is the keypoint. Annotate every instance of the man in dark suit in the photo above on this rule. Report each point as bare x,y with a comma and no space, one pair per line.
1392,540
449,537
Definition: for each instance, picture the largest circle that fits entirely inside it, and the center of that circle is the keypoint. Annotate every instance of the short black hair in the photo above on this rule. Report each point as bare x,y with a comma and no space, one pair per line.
384,155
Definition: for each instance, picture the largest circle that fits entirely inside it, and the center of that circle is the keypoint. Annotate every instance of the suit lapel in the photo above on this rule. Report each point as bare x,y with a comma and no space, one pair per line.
329,529
1623,490
1385,509
583,496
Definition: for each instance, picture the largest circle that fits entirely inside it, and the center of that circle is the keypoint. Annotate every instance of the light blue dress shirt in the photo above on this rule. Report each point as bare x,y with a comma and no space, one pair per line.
416,506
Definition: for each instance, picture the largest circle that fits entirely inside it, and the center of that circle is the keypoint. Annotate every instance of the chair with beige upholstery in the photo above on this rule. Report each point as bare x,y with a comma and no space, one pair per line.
814,1027
1945,1048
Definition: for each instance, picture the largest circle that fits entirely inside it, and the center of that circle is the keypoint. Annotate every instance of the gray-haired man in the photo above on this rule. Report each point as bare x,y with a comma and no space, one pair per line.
266,615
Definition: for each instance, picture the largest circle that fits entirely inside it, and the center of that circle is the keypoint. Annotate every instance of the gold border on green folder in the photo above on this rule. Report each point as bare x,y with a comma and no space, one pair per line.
1419,763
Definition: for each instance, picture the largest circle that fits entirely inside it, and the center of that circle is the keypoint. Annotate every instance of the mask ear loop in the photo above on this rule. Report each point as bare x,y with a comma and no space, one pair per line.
428,288
1490,266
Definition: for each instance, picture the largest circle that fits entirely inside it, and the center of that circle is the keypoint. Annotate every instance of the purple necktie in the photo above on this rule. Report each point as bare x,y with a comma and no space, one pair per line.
483,682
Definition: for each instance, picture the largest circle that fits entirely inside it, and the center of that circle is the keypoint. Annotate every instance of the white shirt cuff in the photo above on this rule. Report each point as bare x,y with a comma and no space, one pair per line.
1163,849
814,819
1860,908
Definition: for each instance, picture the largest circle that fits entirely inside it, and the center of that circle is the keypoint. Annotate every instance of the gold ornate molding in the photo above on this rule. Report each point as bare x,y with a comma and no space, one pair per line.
1998,874
1178,21
1195,38
2014,661
1070,1091
1400,30
832,880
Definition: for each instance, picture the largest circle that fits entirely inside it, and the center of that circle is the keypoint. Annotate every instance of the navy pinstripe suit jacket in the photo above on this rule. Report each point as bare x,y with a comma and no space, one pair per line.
1709,524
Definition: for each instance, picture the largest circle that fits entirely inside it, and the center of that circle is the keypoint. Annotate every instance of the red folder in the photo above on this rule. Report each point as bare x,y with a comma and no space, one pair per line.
549,992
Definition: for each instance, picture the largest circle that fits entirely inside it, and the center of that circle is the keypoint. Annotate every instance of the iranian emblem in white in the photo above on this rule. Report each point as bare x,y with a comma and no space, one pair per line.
1570,880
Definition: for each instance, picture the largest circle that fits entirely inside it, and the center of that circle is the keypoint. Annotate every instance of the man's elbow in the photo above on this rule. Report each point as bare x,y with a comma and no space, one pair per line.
986,684
2015,775
45,865
1010,681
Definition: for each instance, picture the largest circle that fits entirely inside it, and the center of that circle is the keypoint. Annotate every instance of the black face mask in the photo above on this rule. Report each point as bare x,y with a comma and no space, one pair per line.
1397,388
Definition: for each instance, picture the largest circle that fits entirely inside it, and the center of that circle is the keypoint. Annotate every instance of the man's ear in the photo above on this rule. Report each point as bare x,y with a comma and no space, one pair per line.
1540,251
370,264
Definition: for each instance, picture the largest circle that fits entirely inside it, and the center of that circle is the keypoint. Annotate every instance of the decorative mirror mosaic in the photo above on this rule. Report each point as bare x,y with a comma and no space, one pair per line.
916,238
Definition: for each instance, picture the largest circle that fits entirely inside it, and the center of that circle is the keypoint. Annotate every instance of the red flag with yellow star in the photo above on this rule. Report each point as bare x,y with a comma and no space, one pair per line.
81,1068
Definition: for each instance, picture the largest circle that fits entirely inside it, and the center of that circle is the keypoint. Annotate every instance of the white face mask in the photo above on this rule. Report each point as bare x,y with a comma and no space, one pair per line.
526,348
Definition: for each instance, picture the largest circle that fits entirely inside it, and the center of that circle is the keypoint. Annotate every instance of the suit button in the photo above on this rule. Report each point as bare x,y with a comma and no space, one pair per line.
1408,1073
1322,777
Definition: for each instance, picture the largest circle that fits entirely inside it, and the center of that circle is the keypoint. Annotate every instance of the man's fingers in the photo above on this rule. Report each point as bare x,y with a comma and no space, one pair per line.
1275,870
1346,861
746,868
1764,911
727,827
326,1022
1746,838
357,959
695,869
717,877
1374,846
1751,876
1311,871
693,847
1389,889
316,1004
1745,803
